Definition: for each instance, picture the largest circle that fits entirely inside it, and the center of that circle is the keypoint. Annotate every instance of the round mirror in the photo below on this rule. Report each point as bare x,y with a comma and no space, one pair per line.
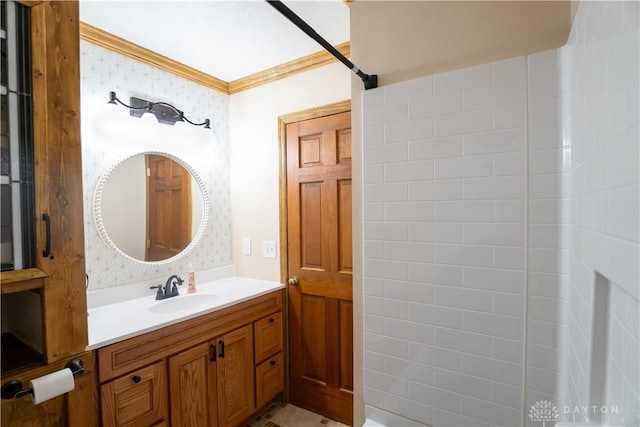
151,208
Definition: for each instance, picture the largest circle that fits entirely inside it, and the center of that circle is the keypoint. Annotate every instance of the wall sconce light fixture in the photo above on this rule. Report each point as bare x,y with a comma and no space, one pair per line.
164,112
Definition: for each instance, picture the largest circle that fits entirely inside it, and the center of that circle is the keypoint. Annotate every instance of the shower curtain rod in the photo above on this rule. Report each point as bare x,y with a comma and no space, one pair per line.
370,80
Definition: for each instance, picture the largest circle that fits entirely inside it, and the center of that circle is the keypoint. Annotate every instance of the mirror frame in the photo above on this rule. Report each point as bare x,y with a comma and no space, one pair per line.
97,215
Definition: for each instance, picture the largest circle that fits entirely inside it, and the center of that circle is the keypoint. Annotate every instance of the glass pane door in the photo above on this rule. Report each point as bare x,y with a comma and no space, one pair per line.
17,216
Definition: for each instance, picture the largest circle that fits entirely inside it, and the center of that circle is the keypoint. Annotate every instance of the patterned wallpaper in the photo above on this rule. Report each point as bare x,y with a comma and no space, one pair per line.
109,134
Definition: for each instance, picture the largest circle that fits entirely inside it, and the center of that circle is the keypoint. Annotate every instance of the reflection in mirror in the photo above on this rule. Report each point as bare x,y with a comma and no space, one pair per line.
150,207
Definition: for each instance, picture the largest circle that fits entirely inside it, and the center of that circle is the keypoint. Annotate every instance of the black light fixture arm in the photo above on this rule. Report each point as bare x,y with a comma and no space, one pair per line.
370,80
206,123
113,99
164,112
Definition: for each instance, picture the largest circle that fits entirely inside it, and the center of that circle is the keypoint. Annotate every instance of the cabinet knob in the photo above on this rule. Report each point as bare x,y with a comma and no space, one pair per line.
272,320
293,281
272,363
136,379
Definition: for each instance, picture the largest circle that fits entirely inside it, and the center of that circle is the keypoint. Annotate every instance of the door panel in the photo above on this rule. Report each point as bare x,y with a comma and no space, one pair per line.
344,226
169,208
346,345
314,363
311,229
319,252
310,151
344,146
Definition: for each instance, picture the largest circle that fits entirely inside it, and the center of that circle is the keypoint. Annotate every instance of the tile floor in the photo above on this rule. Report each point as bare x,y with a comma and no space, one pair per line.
284,415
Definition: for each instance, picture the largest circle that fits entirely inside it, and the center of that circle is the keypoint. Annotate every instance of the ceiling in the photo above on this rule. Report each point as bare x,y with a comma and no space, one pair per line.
225,39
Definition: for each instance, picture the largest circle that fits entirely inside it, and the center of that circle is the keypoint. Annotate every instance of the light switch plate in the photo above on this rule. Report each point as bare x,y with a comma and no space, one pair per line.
269,249
246,246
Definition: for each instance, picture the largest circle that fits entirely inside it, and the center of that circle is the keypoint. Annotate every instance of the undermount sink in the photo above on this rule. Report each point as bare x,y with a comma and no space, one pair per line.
183,303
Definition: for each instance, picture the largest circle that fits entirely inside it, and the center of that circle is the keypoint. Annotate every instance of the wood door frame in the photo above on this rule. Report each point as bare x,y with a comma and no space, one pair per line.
283,121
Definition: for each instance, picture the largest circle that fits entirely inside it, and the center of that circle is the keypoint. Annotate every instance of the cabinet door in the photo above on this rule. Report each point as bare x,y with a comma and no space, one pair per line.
59,269
269,379
192,382
236,396
136,399
268,336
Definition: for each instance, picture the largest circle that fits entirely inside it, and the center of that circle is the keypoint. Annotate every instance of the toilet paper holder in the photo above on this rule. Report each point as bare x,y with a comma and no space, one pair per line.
13,389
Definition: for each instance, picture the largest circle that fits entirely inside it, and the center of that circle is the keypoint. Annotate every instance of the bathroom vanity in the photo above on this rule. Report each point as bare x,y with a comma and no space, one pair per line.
213,358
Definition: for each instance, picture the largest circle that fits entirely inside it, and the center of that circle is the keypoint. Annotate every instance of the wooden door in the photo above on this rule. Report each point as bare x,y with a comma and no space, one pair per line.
192,385
319,255
168,208
236,393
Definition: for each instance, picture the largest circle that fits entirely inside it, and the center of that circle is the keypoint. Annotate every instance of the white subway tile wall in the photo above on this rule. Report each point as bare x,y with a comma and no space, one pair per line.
544,244
446,236
600,73
498,191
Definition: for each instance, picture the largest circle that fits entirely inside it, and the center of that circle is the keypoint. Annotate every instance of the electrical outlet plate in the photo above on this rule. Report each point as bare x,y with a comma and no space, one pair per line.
246,246
269,249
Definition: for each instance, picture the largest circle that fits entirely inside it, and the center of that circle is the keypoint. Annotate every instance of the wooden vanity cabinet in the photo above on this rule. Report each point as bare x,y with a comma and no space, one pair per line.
212,376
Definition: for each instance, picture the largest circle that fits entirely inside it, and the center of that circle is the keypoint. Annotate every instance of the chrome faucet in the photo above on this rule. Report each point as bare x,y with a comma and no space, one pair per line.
170,288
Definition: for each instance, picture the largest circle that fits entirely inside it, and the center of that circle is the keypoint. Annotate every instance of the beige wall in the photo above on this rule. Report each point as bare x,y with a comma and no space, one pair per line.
254,163
403,40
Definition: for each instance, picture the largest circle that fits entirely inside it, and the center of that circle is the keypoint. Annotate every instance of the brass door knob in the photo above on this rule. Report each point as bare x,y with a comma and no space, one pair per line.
293,281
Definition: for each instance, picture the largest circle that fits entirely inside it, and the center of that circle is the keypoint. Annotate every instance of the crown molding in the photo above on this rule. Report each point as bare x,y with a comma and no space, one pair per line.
287,69
124,47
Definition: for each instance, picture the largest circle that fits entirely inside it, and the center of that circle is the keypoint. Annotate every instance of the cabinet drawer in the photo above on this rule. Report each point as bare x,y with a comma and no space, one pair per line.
136,399
268,336
269,379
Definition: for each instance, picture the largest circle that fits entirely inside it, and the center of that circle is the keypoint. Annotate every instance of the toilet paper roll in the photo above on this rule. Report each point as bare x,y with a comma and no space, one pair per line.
52,385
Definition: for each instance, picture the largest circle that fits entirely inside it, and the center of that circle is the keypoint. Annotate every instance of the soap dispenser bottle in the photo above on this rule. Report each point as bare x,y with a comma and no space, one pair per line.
192,280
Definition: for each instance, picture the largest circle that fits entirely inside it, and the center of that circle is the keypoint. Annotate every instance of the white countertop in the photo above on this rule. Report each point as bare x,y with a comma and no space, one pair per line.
118,321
